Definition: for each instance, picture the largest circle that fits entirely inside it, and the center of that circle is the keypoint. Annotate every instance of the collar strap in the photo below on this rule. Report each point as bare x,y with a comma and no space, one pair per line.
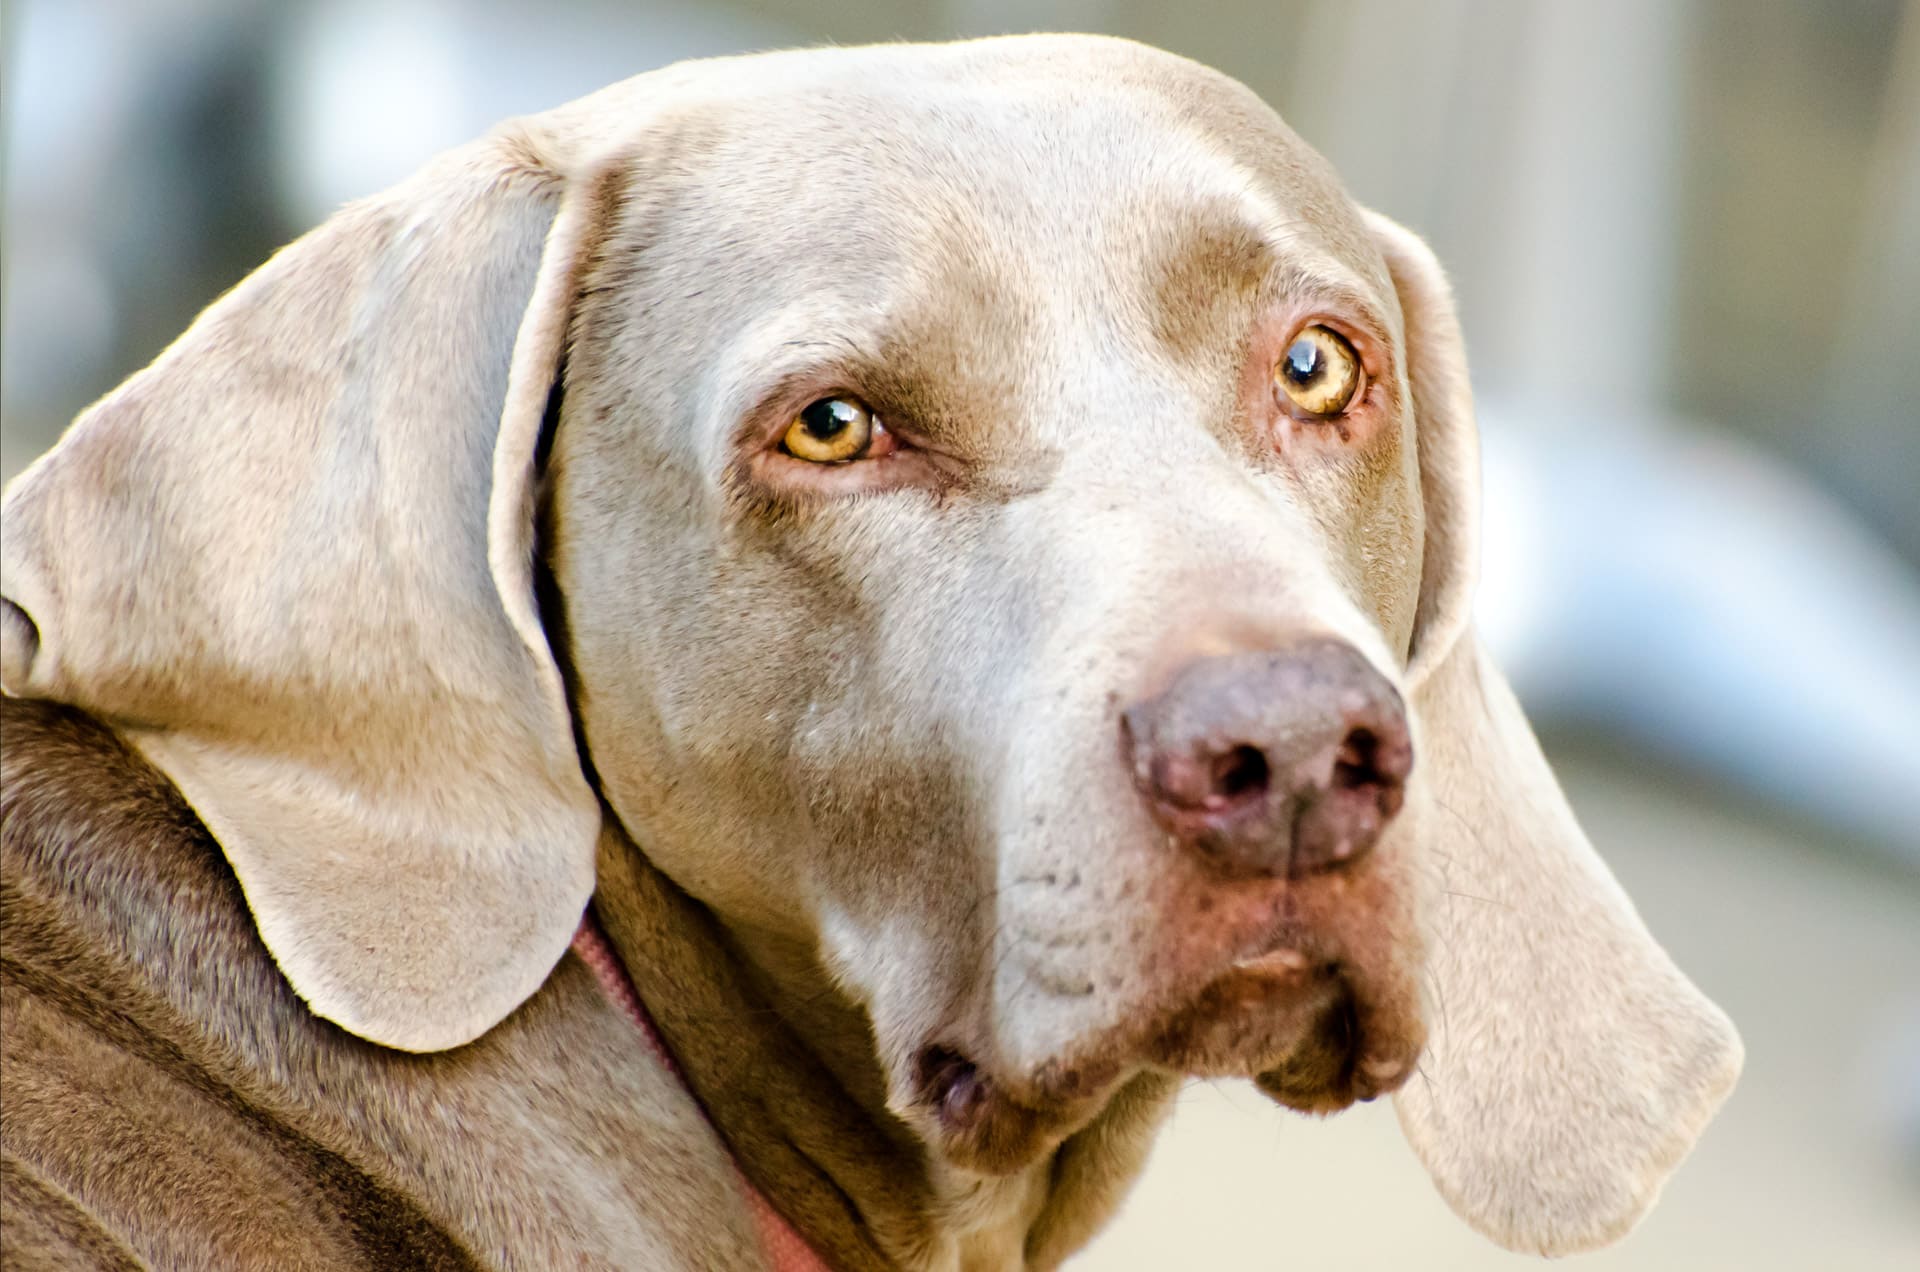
785,1249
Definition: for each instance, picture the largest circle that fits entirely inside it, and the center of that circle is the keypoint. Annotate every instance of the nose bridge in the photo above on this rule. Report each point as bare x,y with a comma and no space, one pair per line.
1150,544
1154,478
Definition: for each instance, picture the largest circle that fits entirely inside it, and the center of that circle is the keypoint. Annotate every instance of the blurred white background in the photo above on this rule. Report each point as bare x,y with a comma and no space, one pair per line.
1685,236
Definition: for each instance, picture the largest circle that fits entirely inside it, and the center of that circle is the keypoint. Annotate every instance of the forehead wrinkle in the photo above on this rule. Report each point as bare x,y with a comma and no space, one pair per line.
941,352
1307,261
1227,245
1213,283
959,348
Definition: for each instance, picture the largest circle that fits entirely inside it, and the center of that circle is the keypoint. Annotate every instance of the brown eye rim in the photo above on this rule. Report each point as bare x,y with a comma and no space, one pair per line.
1298,397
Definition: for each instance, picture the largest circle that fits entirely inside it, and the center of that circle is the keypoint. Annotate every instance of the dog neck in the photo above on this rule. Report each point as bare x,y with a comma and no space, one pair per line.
857,1196
784,1249
784,1068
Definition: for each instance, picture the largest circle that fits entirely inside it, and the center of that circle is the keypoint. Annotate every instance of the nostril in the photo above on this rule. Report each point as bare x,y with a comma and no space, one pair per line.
1240,771
1364,791
1355,764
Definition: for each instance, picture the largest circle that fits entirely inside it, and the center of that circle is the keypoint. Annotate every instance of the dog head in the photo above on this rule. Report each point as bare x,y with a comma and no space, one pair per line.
1010,521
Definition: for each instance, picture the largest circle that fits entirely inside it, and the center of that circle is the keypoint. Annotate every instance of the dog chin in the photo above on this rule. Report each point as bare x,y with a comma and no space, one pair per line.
1309,1035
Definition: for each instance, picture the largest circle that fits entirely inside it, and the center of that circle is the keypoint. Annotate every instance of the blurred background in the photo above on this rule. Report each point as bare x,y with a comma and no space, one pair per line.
1685,236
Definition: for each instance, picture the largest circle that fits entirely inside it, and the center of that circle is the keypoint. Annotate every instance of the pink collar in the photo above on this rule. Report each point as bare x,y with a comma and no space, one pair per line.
785,1249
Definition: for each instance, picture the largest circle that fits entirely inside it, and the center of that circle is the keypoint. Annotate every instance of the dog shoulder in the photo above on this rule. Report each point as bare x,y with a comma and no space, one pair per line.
133,1135
166,1092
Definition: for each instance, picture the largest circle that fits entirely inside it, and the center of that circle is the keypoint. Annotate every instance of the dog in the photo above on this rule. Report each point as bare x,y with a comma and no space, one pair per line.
750,671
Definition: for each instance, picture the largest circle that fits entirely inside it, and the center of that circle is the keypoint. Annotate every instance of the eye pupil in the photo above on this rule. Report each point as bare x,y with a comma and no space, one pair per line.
829,417
1304,361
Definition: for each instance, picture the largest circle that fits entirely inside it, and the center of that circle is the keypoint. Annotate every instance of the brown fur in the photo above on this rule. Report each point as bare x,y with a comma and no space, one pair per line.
169,1100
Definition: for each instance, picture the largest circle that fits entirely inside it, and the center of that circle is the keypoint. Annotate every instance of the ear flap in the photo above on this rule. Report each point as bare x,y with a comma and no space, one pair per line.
1570,1065
291,560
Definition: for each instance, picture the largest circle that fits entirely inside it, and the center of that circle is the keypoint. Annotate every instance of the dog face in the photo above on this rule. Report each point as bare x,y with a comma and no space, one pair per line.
874,704
1010,519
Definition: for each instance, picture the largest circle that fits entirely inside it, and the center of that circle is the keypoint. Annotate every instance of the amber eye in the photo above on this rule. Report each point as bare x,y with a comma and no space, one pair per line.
831,431
1319,372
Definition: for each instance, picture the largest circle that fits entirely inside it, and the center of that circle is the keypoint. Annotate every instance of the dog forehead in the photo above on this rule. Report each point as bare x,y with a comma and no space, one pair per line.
989,217
1056,149
1066,223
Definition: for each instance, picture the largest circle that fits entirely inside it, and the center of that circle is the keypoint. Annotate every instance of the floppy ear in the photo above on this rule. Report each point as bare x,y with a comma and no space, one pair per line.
1571,1065
292,562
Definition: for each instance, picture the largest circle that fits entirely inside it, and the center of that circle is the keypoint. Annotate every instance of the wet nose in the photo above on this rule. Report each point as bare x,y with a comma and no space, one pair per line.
1282,763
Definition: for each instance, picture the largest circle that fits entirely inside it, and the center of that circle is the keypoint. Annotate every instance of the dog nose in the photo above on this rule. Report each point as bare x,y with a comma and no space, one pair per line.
1281,763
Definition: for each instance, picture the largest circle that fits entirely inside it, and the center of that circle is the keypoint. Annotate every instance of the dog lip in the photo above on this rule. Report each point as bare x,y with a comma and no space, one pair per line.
984,1123
1280,961
955,1097
1385,1072
952,1086
1288,1017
